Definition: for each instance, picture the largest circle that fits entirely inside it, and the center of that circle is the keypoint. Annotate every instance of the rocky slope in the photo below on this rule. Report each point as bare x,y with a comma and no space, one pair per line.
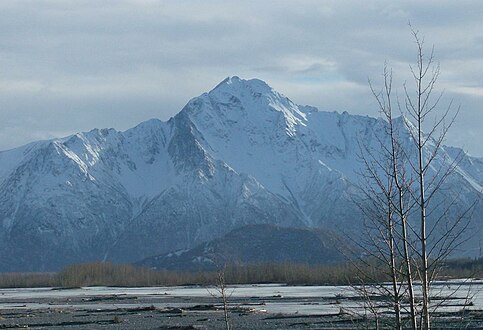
254,244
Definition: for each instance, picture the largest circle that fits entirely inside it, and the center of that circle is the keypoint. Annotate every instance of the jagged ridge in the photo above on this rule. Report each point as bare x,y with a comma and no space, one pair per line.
240,154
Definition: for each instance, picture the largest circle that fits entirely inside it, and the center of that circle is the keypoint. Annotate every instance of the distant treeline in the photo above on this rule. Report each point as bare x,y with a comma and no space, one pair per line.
108,274
462,268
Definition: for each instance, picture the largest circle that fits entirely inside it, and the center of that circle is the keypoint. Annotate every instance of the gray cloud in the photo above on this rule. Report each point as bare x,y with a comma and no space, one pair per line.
67,66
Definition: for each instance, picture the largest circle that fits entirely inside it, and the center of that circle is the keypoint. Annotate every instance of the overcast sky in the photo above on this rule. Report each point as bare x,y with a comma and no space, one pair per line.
69,66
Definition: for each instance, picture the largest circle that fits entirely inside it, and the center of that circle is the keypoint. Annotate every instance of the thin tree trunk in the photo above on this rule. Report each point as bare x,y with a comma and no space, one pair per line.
225,310
424,256
400,184
392,256
384,100
422,200
404,231
222,284
409,276
394,273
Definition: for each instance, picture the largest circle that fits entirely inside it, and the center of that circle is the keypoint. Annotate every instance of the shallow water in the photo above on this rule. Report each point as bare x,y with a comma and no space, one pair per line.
270,298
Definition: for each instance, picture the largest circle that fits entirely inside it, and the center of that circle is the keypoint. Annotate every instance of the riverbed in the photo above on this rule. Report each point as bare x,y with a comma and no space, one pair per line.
261,306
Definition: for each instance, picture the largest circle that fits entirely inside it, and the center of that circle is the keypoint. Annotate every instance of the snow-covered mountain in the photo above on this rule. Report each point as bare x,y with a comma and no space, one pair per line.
240,154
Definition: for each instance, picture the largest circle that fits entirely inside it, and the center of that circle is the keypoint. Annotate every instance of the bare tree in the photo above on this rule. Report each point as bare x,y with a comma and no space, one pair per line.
400,185
385,185
391,160
421,106
221,292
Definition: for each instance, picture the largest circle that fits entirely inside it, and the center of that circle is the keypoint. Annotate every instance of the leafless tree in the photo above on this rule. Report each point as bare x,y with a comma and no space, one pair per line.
384,188
220,291
421,106
386,175
400,182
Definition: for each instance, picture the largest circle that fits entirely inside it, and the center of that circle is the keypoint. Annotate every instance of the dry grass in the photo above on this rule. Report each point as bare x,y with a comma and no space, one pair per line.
108,274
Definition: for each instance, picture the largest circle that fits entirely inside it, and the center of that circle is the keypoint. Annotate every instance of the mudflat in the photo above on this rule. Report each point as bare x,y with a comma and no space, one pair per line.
123,312
250,307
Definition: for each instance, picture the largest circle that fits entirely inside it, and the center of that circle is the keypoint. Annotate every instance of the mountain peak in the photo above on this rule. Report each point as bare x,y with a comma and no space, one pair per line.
235,83
251,102
254,94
